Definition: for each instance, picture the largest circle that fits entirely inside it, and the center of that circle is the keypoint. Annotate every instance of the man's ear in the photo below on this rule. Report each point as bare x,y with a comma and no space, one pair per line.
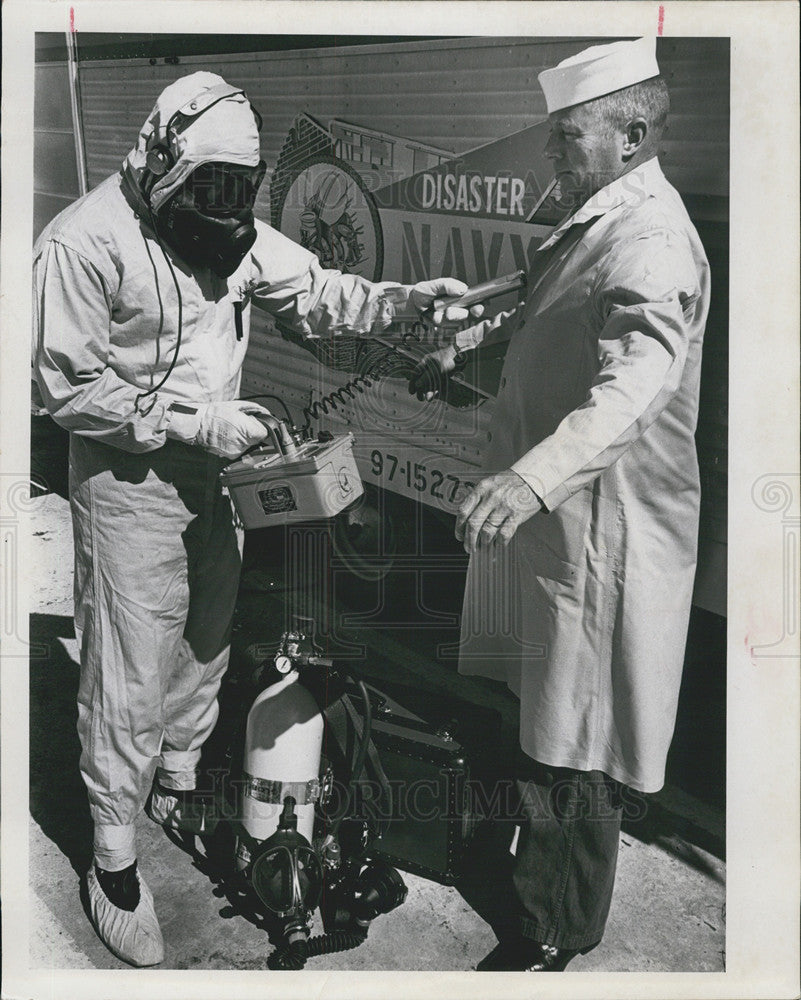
634,136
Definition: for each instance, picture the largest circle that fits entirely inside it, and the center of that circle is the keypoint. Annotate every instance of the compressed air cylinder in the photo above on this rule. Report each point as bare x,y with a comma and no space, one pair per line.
283,744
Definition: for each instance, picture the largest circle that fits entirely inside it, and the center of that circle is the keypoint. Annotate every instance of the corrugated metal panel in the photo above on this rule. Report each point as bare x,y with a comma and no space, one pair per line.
55,172
430,92
457,95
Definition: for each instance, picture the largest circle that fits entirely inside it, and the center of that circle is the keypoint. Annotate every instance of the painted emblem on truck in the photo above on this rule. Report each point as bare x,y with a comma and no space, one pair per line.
369,202
327,211
321,201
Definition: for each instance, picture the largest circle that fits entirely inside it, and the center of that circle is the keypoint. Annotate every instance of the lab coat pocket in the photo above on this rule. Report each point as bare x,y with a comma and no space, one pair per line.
555,543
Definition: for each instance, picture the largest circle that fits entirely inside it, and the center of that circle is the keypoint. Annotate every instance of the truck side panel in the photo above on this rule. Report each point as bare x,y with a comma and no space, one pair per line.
390,114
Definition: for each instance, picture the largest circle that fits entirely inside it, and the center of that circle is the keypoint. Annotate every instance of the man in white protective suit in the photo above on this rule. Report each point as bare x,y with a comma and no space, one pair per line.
142,293
583,537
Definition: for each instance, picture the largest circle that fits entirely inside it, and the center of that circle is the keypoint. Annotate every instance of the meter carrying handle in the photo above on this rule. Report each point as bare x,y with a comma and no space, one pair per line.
483,292
280,435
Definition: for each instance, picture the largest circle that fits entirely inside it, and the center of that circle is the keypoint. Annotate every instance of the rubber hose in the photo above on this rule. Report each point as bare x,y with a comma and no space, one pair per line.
325,944
293,957
361,755
367,729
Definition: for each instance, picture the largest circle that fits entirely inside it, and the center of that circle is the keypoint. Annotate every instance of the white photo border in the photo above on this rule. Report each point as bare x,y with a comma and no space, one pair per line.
763,701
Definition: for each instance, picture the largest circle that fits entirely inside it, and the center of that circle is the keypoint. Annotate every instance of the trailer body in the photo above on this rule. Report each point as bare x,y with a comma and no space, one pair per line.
403,160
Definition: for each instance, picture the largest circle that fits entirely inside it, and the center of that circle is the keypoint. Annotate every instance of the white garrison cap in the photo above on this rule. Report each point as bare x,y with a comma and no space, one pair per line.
599,70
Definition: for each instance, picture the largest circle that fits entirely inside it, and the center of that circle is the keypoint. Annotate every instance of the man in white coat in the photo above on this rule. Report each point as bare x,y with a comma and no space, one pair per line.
142,292
583,538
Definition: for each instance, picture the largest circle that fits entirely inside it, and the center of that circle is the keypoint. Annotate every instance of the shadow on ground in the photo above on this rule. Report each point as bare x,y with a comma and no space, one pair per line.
50,445
485,883
58,800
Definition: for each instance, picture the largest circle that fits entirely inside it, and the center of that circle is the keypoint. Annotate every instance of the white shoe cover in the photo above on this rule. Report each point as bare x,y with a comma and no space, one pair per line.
167,810
132,935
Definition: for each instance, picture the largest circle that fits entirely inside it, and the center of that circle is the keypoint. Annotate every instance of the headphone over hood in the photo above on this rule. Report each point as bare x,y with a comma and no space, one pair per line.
226,132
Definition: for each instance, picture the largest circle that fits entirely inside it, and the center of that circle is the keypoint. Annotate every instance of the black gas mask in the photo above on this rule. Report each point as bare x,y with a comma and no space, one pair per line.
209,220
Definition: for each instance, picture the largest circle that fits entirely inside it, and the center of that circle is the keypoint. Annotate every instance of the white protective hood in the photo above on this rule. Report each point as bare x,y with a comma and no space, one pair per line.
226,133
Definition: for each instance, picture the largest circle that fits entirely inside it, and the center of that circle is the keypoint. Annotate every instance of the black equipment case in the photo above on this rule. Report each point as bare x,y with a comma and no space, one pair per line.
416,794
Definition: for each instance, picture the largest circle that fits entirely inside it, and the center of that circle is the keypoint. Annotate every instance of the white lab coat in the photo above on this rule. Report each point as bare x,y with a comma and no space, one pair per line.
585,616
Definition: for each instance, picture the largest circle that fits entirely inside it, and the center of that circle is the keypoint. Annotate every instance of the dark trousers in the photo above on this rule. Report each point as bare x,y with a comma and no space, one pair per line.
566,856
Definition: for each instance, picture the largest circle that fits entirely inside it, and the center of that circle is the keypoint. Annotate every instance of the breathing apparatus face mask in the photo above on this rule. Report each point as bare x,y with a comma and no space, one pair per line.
209,221
287,874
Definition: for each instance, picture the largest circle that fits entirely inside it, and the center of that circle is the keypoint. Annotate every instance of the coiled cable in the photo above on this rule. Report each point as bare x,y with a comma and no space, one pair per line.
332,401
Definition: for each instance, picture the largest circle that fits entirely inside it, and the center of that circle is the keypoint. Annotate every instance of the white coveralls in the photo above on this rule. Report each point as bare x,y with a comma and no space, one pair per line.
156,555
585,615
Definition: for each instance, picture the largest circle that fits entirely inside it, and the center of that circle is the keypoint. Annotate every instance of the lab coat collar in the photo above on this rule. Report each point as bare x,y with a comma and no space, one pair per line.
631,188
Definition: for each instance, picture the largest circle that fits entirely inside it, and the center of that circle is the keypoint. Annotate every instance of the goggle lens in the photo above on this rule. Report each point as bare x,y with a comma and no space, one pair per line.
223,189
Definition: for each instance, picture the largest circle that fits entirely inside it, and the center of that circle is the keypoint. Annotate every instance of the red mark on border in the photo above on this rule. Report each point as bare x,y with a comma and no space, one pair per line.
660,24
72,20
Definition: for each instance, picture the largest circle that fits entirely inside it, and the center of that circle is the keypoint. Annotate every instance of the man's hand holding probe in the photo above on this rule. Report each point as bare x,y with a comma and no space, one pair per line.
436,300
429,376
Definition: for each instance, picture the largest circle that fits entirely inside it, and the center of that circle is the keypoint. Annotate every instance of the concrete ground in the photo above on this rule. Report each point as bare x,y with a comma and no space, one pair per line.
668,912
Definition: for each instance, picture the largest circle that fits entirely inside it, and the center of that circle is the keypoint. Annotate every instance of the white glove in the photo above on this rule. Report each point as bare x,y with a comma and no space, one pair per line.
424,293
225,429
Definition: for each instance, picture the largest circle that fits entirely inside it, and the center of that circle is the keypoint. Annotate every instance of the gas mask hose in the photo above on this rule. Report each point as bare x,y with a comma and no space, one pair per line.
375,890
361,756
295,955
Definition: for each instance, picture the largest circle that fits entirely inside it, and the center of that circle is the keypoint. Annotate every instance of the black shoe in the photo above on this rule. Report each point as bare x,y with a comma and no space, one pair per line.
524,955
120,888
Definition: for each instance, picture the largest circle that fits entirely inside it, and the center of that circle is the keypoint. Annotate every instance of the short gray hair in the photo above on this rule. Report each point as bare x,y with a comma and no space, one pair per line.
649,100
